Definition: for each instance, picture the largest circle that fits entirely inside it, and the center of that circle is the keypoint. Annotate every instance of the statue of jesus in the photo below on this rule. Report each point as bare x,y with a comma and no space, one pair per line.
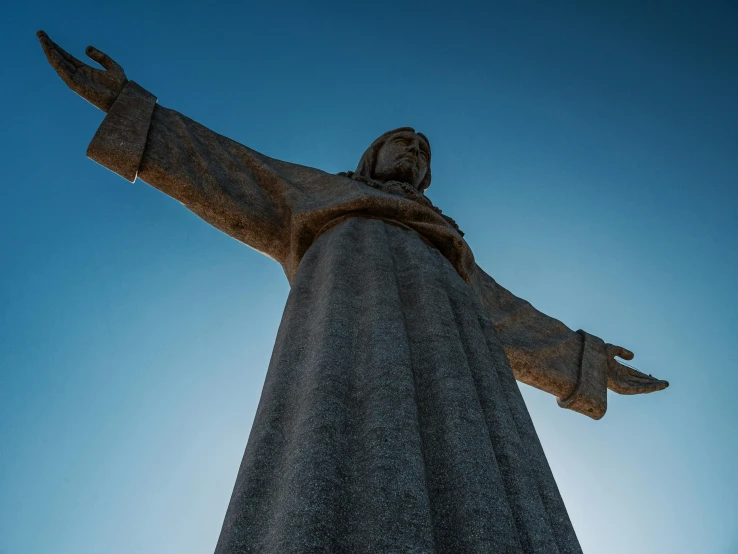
390,420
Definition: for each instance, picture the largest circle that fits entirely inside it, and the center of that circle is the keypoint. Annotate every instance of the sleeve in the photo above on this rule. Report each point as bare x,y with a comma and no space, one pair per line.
545,353
245,194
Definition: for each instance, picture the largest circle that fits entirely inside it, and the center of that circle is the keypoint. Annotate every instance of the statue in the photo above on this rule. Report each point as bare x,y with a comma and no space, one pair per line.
390,420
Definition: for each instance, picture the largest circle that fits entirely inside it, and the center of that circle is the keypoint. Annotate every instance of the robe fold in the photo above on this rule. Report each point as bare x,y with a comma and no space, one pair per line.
390,420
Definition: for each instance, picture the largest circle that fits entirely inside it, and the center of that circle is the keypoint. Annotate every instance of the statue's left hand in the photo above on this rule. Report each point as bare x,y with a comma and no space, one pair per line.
627,380
99,87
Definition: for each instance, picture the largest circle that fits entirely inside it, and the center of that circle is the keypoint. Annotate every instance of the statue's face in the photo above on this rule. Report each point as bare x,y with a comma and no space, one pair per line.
403,157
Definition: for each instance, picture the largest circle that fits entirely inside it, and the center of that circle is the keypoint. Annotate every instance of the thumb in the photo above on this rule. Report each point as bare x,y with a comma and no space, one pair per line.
619,351
104,60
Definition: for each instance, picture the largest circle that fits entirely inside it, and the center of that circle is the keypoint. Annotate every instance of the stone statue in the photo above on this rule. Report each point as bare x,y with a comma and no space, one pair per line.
390,420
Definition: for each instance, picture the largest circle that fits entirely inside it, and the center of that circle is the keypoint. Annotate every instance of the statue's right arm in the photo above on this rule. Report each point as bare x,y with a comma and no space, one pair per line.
245,194
574,366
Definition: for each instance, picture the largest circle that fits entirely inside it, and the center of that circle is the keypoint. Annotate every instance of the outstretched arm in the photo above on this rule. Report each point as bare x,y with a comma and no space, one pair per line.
574,366
245,194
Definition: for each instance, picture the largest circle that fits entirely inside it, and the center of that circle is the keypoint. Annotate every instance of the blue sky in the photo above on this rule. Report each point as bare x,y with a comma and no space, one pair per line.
589,151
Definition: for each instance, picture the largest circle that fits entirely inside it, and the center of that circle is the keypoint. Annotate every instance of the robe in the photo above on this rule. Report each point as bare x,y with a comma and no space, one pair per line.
390,420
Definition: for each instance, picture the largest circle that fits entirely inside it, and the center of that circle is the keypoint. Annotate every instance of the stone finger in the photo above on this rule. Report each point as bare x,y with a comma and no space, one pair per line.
103,59
62,66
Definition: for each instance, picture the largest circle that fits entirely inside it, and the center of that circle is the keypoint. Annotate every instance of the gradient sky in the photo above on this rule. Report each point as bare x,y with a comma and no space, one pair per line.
588,149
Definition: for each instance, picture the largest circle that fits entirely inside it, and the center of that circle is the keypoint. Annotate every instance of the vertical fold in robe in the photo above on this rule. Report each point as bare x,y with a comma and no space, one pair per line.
385,424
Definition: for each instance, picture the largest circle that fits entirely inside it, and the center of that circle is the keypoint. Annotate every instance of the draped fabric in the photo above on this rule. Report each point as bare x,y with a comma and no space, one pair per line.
390,420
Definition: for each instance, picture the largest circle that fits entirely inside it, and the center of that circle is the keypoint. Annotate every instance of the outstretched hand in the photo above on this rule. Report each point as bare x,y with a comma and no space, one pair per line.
627,380
97,86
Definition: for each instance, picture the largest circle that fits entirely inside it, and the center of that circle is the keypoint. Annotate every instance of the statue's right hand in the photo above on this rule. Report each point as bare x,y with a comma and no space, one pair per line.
97,86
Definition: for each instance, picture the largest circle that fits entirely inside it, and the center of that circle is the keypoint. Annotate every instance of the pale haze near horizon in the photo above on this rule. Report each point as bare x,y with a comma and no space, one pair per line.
589,153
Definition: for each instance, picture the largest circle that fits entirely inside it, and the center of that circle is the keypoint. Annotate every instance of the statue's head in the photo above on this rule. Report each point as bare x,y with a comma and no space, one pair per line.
398,155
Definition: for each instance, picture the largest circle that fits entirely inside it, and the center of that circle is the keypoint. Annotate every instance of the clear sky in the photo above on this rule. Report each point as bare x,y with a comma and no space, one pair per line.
588,149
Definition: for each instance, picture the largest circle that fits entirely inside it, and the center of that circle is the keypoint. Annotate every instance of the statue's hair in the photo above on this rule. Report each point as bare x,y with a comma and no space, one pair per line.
368,161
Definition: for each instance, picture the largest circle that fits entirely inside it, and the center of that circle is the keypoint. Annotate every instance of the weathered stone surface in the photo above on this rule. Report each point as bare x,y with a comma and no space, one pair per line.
120,141
390,419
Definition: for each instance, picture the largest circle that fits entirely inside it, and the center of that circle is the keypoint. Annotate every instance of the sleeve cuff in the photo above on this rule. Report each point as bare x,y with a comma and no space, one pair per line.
120,140
589,396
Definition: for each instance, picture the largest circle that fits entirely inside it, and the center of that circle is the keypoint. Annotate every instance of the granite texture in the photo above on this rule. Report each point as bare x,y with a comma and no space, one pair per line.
119,142
390,420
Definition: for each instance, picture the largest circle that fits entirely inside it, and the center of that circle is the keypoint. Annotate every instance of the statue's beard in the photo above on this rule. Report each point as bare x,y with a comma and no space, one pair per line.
404,171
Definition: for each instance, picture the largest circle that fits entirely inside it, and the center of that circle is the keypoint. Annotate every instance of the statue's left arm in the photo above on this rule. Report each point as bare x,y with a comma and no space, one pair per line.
574,366
245,194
